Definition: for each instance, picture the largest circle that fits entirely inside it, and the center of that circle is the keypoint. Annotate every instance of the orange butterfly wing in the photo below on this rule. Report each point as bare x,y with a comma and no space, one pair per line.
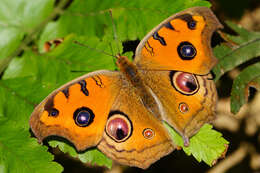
181,42
90,94
117,121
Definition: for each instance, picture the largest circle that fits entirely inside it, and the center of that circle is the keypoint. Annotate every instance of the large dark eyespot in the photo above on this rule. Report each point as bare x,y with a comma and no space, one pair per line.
54,112
185,83
119,127
186,51
83,116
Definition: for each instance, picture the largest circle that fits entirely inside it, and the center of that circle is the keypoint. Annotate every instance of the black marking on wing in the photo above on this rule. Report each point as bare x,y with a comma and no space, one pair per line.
169,26
191,23
49,105
98,81
83,85
156,36
186,17
149,48
66,92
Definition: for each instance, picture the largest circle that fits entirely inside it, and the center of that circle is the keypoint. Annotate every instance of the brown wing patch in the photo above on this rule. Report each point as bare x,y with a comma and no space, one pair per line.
185,109
138,147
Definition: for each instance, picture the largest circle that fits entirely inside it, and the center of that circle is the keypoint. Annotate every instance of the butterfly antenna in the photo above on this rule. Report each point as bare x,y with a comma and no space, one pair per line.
112,52
114,31
95,49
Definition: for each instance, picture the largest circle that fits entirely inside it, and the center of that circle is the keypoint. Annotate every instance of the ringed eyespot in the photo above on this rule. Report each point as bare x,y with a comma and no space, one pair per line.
183,107
119,127
83,116
186,51
185,83
54,112
148,133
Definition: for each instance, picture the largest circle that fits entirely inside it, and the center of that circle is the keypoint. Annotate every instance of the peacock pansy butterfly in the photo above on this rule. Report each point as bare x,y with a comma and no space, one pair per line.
122,112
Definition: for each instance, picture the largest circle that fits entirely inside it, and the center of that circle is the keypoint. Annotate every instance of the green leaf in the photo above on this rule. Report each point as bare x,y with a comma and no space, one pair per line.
92,156
66,61
87,54
18,18
244,47
131,18
239,93
18,151
207,145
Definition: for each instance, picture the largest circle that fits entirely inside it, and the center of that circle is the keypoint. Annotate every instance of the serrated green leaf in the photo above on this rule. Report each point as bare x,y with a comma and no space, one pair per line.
245,47
131,18
240,86
207,145
18,151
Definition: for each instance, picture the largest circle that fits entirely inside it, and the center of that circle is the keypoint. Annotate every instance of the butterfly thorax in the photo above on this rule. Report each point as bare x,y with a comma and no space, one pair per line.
147,97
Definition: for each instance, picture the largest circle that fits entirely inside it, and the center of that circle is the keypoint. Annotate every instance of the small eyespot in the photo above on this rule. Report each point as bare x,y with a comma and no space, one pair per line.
54,112
186,51
83,116
183,107
185,83
119,127
192,24
148,133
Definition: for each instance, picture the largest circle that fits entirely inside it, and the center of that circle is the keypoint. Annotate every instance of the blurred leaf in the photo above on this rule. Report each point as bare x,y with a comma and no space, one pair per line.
18,18
21,66
207,145
245,46
240,93
65,60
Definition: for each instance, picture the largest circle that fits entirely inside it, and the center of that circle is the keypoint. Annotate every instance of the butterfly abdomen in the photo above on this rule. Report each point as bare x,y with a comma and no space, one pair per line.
147,97
130,71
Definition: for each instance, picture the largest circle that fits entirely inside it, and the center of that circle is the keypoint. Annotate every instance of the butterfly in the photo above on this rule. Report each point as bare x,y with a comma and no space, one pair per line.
122,112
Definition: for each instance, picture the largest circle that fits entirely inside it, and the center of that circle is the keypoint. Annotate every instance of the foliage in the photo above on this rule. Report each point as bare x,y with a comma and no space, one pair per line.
207,145
240,49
